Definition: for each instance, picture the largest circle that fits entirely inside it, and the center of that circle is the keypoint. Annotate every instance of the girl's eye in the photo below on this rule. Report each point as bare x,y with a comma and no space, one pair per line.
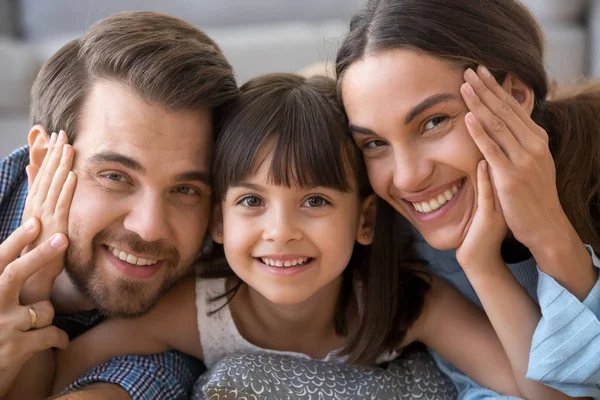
373,144
434,122
186,190
315,201
251,201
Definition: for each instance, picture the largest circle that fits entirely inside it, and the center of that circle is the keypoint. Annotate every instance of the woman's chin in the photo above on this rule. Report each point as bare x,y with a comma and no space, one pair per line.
444,239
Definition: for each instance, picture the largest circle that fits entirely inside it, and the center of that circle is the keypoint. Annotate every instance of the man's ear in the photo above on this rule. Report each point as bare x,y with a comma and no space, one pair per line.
520,91
366,222
38,140
216,224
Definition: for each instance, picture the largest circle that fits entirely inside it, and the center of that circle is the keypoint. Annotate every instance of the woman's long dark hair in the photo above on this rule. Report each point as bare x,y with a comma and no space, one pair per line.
503,36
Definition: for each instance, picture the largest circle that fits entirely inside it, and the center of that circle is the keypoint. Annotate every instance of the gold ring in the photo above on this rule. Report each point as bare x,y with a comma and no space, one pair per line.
34,317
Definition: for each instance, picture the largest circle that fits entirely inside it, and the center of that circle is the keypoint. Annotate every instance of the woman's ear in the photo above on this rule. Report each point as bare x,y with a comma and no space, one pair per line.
216,224
38,140
366,222
520,91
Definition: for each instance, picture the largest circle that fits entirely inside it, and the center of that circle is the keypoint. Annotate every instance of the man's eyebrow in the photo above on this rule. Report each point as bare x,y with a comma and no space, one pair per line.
201,176
112,157
427,103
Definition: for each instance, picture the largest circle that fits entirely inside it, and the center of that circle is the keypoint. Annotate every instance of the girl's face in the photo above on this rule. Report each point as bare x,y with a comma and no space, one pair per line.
288,244
407,115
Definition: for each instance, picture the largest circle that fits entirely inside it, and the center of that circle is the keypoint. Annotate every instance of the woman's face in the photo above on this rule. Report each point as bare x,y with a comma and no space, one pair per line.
407,115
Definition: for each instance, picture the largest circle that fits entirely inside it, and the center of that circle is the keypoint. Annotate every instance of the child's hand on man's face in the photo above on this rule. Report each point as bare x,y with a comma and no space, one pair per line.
49,198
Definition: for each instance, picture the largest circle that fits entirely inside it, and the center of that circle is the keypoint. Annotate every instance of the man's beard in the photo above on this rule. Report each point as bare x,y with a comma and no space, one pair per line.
122,297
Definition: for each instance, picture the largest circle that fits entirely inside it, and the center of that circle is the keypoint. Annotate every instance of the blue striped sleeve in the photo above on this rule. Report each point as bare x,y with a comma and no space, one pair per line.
565,350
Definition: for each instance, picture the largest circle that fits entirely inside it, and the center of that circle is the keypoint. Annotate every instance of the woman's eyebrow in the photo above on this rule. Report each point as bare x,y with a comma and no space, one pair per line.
412,114
426,104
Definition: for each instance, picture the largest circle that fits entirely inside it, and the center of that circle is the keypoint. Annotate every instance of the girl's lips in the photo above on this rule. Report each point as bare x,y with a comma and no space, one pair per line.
440,212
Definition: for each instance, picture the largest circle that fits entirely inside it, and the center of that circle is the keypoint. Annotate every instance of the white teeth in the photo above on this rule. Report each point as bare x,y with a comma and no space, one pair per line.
289,263
130,258
434,204
448,195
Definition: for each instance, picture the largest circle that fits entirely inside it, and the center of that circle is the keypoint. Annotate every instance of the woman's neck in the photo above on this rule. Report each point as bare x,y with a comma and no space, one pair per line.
307,327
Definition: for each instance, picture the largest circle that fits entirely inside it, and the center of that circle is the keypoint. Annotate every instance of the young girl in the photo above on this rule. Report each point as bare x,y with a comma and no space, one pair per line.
295,218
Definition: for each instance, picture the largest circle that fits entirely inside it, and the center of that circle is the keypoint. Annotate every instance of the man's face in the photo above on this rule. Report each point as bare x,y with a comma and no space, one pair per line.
142,202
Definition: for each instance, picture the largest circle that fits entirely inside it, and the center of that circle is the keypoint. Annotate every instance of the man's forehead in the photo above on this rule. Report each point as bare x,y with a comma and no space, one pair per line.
115,119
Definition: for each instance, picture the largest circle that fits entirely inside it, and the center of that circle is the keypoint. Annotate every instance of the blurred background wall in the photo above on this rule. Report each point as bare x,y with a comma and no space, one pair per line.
257,36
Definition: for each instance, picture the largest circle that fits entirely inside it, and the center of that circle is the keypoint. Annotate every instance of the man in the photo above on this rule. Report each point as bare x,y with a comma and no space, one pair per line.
138,96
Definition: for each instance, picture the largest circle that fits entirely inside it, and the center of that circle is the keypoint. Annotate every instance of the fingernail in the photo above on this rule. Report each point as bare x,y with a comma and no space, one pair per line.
468,89
484,71
29,225
471,74
61,135
470,118
57,241
53,138
66,150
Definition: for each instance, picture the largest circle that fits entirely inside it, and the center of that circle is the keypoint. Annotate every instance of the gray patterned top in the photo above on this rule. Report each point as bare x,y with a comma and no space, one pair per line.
266,376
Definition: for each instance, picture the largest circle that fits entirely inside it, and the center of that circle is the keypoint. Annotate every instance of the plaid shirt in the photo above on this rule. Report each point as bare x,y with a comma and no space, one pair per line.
169,375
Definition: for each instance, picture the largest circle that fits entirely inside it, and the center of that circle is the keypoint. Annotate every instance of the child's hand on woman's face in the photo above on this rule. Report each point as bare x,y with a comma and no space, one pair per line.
49,198
481,247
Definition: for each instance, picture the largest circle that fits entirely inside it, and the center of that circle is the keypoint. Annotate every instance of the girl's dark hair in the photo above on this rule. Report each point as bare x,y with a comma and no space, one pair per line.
300,121
503,36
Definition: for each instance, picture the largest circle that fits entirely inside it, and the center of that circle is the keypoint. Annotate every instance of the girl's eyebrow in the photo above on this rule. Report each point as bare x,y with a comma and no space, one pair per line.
246,185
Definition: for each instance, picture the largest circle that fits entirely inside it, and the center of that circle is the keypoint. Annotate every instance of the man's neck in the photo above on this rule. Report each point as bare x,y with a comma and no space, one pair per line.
66,298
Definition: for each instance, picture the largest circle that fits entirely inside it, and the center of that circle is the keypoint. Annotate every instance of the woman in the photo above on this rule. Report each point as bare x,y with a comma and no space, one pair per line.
425,111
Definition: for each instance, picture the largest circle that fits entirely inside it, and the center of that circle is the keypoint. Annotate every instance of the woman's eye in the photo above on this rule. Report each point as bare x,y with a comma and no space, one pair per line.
251,201
186,190
373,144
435,121
315,201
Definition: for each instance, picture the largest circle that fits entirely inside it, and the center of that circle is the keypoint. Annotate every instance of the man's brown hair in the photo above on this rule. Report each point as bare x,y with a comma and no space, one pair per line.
165,60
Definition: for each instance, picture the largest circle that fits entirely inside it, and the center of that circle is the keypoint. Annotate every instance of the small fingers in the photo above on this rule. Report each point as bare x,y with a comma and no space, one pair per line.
36,183
17,241
32,172
48,173
63,205
36,316
60,177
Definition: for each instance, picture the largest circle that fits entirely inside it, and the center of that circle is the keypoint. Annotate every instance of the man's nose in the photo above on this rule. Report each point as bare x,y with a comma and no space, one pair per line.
148,219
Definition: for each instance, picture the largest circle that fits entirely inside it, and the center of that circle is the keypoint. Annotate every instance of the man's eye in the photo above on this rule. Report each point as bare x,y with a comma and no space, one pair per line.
186,190
251,201
114,177
315,201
